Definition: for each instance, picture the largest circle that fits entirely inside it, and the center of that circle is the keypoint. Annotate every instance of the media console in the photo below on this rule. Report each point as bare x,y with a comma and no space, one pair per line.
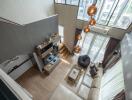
46,55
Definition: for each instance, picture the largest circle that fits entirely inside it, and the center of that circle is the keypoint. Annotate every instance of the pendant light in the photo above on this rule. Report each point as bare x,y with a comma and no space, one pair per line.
78,37
91,11
77,49
87,29
92,21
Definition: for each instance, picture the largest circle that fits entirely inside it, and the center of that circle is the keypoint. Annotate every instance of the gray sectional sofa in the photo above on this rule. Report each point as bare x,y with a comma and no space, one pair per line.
63,93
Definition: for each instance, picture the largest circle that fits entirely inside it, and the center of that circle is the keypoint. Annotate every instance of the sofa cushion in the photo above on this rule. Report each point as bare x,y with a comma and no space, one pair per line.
84,91
96,82
93,71
99,72
63,93
87,80
93,94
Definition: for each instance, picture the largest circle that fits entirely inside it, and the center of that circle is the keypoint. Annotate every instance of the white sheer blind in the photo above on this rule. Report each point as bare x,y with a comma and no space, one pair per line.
112,82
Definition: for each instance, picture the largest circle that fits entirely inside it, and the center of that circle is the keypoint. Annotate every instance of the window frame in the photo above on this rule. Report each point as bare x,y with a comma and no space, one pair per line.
68,4
59,3
112,9
72,4
109,17
95,38
127,2
120,13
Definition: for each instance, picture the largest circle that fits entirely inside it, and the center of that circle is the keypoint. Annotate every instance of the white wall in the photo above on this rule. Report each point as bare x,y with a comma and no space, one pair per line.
67,18
26,11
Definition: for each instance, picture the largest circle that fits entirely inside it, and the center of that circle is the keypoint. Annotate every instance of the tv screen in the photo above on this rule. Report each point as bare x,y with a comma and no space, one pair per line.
47,47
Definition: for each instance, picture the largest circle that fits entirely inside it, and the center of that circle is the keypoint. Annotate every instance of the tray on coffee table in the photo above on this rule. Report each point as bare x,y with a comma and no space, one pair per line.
73,74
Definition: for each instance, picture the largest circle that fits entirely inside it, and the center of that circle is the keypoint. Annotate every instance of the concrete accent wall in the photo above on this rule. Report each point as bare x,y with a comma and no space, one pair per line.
126,50
26,11
19,40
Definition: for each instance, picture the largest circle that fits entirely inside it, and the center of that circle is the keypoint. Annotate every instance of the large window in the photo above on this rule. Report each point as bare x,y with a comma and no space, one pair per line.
82,12
106,11
70,2
97,50
60,1
125,19
110,12
93,45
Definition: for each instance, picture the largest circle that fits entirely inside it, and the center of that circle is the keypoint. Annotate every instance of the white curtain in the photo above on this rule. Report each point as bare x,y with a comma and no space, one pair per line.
112,82
93,45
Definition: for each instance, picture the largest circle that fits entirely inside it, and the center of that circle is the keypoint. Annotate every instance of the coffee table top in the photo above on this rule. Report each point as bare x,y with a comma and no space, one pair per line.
74,73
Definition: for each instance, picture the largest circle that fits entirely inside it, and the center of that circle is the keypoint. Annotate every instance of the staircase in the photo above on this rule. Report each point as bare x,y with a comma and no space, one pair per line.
63,51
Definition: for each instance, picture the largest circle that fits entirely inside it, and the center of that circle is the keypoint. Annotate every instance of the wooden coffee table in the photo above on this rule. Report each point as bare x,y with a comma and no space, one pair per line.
74,74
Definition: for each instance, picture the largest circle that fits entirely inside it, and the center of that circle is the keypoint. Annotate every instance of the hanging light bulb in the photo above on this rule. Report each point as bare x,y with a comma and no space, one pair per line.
78,37
92,21
77,49
86,29
92,10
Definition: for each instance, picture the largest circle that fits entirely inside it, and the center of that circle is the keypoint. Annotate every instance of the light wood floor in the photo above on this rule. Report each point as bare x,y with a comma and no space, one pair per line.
41,86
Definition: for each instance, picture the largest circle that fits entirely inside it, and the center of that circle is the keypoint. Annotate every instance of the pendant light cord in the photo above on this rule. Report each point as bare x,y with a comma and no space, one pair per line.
94,2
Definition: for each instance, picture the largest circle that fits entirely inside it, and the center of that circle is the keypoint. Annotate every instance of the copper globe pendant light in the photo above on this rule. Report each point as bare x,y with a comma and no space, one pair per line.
92,21
78,37
77,49
91,11
87,29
